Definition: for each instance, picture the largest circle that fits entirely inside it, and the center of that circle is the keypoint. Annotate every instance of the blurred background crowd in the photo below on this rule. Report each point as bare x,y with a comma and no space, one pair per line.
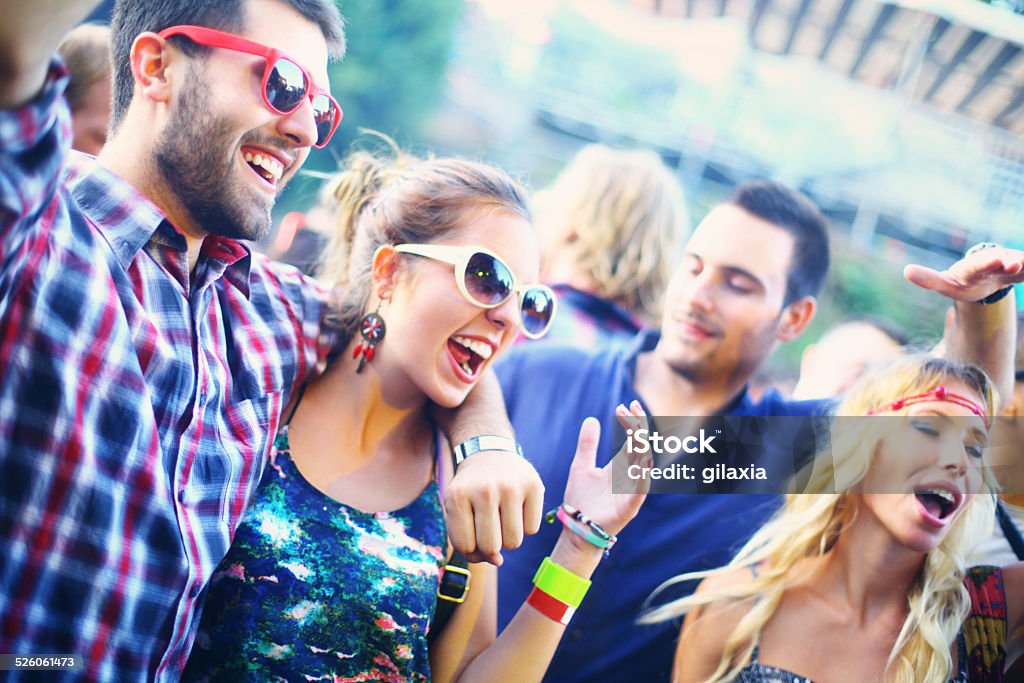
903,121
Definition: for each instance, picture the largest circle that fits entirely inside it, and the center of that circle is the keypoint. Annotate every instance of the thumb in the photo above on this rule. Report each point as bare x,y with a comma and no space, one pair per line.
586,445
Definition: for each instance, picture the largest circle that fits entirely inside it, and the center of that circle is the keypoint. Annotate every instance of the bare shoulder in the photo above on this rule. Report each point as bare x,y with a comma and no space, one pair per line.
707,627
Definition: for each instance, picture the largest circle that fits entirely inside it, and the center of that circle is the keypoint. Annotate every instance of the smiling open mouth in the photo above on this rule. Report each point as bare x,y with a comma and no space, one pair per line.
470,354
267,167
938,502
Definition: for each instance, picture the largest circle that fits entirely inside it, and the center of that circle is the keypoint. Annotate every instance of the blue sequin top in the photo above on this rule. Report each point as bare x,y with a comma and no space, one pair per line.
313,589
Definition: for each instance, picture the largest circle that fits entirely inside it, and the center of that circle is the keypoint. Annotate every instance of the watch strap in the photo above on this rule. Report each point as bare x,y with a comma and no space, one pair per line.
999,294
485,442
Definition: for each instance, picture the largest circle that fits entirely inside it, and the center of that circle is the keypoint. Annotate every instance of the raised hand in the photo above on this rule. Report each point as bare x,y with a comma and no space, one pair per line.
590,488
973,277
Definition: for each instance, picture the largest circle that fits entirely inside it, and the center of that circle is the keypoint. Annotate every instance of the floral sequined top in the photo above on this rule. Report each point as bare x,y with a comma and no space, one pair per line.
315,590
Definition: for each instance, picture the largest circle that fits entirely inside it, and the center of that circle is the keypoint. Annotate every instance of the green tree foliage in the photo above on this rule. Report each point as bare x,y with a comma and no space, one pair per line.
391,79
392,76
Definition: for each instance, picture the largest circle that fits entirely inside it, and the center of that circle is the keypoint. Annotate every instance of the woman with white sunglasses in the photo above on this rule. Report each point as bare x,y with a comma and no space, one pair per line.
339,565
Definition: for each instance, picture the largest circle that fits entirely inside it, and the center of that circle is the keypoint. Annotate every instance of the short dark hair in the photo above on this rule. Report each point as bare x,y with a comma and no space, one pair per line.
795,213
132,17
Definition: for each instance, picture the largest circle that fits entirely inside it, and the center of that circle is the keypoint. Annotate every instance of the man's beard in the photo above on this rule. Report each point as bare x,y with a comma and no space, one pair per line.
196,158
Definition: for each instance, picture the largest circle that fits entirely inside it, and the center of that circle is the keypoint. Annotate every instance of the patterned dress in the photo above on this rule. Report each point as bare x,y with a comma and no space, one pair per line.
315,590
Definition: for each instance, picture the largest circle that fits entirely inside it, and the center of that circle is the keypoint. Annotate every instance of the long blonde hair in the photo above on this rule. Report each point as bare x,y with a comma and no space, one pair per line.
808,526
627,215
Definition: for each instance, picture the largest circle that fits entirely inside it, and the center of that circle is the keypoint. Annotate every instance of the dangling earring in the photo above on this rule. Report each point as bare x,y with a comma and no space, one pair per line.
371,329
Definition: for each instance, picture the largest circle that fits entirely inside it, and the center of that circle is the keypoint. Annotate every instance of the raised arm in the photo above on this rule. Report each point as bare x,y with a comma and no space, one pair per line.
496,495
524,649
29,34
982,334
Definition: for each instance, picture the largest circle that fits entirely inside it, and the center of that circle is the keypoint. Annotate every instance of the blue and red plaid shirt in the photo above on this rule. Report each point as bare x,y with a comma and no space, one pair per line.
137,403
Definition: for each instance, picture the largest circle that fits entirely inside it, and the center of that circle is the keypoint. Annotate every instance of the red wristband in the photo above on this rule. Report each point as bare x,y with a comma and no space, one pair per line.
553,609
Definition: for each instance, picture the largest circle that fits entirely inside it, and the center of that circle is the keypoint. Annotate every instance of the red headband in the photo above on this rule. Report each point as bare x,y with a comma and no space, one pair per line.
936,394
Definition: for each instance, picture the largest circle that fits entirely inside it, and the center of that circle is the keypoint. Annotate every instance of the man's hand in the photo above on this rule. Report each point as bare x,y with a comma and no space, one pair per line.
973,277
980,335
29,34
495,498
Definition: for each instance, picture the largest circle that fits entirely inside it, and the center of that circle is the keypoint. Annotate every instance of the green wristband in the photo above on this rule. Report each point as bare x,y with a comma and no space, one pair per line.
560,583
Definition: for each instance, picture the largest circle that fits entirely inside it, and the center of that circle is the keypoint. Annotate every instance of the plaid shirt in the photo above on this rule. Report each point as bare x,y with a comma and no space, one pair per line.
137,402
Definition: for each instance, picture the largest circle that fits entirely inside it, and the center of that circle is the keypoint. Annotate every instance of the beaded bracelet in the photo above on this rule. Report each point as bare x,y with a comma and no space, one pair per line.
583,526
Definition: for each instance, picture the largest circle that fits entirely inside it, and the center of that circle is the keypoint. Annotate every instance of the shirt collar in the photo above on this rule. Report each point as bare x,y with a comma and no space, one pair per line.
129,221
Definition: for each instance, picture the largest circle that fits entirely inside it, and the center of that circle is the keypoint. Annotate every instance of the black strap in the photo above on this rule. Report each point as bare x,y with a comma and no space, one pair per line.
295,402
452,583
1010,530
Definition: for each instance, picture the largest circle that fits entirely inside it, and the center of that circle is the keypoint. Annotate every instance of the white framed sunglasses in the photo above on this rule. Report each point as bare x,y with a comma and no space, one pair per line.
485,281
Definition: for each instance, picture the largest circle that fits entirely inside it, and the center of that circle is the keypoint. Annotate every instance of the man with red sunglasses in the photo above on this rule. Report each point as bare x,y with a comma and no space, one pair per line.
146,353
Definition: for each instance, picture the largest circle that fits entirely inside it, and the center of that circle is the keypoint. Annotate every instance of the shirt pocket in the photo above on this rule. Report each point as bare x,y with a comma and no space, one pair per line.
245,434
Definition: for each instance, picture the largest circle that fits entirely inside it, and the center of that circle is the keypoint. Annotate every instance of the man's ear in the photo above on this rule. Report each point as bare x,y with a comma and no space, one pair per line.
384,275
151,59
796,317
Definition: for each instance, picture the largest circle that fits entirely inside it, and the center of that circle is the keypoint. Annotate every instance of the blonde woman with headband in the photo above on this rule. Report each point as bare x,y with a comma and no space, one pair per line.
871,584
339,565
612,226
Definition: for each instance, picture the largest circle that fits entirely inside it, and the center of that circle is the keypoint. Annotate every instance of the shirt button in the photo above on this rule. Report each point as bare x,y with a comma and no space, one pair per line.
195,591
576,634
202,398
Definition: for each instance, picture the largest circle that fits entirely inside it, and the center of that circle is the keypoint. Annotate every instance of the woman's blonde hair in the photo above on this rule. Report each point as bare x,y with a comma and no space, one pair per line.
628,216
809,525
391,197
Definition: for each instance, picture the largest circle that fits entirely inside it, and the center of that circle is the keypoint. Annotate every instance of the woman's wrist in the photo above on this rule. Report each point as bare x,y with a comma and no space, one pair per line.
576,554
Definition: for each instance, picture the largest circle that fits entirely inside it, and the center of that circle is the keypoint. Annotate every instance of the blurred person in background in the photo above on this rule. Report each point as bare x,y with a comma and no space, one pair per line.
611,227
86,54
300,242
845,353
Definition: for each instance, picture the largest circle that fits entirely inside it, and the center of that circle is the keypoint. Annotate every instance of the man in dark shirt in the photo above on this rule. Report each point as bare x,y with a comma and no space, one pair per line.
747,283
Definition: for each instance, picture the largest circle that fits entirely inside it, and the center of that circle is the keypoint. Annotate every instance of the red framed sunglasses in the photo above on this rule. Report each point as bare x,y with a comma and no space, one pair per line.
285,82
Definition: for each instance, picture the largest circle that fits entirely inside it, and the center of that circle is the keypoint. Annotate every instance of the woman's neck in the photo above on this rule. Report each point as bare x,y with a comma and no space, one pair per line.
869,572
361,414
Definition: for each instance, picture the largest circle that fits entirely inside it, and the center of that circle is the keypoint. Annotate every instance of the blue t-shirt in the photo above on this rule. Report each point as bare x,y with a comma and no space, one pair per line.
549,391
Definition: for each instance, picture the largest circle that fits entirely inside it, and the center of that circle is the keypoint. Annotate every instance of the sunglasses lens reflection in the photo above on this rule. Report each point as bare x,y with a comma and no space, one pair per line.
537,310
286,86
488,281
325,112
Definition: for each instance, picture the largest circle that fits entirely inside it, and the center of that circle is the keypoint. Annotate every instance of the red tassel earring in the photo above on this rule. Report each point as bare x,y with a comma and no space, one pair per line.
371,329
